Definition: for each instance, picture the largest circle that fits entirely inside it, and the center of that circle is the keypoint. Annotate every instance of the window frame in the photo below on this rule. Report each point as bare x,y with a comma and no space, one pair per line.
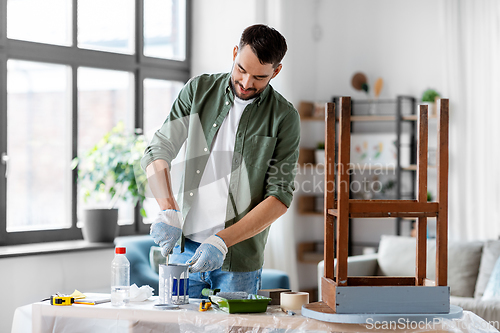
3,23
141,66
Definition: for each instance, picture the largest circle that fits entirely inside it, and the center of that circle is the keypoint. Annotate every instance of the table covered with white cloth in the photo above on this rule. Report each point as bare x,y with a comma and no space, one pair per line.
145,317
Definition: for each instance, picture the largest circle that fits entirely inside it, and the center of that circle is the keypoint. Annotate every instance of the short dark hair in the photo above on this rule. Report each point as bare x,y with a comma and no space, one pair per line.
266,42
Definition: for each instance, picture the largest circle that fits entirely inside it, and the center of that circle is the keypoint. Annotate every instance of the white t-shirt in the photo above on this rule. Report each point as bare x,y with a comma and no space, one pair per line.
207,215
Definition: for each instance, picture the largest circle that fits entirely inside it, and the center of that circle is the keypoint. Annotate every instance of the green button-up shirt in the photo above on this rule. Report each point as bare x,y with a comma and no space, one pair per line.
264,160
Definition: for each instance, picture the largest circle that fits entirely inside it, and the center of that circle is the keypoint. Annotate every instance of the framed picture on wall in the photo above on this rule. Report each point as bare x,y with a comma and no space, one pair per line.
379,150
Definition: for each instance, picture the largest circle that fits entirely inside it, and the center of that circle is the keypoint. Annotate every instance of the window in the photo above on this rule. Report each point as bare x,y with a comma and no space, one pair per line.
66,81
165,37
47,21
105,98
38,134
107,25
158,98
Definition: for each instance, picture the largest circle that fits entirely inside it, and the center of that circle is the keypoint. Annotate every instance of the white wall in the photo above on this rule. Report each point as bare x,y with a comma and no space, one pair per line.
329,40
396,40
217,26
29,279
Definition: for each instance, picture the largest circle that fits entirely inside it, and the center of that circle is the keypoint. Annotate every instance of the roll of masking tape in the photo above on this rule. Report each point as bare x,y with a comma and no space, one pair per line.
293,301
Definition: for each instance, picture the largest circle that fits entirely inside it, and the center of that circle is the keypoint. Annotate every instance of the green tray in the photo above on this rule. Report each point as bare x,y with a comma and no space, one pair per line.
258,304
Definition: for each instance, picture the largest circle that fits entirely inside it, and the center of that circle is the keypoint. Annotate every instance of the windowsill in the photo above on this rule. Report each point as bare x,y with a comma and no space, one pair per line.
50,248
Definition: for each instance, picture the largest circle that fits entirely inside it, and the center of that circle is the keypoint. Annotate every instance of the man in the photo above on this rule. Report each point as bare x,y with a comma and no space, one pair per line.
241,152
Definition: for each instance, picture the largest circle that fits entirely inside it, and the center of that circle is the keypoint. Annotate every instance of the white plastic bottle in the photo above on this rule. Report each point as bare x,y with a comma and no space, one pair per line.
120,278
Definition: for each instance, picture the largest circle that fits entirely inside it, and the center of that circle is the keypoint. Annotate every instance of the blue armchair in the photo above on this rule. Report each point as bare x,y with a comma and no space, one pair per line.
141,273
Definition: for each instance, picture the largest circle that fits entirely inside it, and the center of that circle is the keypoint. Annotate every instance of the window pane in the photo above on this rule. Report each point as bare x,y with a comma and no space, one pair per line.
47,21
106,25
39,146
105,98
165,29
159,96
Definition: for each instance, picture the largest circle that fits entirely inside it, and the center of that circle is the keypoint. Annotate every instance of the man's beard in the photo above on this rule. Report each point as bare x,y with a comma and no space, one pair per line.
245,97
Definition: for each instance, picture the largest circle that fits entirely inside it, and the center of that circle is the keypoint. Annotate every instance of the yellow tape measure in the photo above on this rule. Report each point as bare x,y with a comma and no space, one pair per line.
61,300
204,305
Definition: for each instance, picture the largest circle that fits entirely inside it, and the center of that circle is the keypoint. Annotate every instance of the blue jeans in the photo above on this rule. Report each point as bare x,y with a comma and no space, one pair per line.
249,282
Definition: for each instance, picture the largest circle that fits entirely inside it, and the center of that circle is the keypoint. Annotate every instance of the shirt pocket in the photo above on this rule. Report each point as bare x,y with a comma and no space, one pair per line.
262,151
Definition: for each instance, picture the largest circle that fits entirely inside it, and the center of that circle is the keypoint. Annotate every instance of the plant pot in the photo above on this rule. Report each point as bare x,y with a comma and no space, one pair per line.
319,156
100,225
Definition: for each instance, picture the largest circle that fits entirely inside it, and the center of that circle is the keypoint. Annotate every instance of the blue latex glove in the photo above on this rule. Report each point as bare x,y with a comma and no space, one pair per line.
166,230
209,255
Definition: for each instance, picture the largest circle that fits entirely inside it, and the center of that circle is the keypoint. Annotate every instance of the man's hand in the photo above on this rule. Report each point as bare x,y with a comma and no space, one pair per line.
209,256
166,230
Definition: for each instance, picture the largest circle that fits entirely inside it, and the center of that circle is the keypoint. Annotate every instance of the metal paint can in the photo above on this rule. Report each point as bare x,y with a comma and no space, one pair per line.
174,284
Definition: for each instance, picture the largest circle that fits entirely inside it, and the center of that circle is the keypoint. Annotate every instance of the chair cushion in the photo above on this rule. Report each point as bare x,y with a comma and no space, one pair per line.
397,258
492,290
274,278
463,267
396,255
491,253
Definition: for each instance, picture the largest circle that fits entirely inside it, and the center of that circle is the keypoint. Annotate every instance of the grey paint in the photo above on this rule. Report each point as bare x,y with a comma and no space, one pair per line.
393,299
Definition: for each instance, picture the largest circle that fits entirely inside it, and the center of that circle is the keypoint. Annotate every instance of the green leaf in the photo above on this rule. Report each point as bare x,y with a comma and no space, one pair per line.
430,95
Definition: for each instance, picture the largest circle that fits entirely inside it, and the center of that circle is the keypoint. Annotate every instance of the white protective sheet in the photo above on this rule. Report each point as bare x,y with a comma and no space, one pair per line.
143,317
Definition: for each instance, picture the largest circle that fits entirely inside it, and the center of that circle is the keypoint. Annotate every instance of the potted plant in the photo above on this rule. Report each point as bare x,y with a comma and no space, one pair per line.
319,153
108,173
429,97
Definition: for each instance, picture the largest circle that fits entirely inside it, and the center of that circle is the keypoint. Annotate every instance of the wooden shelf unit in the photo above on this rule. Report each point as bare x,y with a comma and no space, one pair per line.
308,206
307,253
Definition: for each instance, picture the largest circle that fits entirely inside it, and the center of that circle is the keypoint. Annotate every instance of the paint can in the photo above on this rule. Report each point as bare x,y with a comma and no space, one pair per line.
174,284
